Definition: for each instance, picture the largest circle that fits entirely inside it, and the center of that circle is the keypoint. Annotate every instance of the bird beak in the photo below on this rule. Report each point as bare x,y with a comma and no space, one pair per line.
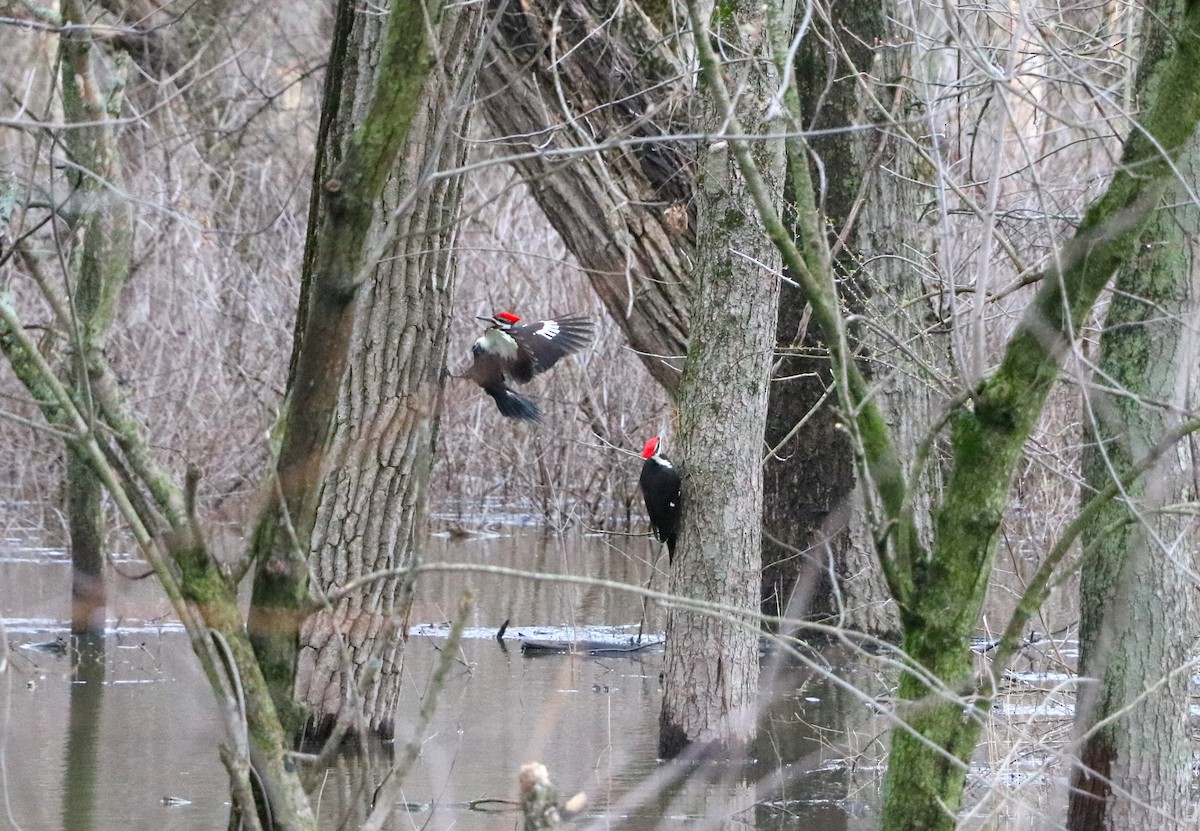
486,319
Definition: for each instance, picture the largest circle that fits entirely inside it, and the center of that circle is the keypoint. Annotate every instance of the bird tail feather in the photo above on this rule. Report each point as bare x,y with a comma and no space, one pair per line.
514,405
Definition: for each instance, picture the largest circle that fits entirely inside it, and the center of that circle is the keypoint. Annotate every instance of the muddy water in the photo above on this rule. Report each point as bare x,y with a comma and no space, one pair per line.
122,733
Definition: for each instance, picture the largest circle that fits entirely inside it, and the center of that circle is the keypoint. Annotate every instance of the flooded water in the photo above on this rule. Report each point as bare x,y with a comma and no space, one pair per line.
122,733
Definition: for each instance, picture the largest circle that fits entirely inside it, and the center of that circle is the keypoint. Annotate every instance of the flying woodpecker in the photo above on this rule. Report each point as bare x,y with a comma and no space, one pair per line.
660,488
512,351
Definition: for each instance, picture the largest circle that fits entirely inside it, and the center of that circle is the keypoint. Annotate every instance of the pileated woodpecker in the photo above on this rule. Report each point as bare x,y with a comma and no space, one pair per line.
513,351
660,488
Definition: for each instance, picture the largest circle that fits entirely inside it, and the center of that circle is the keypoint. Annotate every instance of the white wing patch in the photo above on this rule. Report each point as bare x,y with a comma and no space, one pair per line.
549,329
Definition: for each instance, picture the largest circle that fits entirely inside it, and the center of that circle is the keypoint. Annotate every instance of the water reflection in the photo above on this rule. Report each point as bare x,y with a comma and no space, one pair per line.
121,733
81,768
528,602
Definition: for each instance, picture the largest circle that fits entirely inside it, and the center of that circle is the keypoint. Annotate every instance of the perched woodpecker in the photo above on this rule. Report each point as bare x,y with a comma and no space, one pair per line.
660,488
512,351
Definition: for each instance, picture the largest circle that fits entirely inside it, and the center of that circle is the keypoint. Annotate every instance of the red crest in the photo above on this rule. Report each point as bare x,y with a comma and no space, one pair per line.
651,448
507,317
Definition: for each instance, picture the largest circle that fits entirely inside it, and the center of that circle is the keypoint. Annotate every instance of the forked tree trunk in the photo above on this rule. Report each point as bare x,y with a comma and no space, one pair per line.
1137,628
371,512
711,680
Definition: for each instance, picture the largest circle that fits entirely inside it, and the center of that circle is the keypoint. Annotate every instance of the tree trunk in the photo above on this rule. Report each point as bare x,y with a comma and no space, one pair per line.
348,183
624,207
868,200
1137,626
624,211
711,676
99,266
163,522
371,514
929,756
906,357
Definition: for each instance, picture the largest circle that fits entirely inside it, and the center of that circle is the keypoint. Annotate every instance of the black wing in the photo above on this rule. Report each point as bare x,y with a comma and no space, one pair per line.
542,343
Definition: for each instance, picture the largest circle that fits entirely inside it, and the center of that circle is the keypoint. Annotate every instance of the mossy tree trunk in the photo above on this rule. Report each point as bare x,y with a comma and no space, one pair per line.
101,224
371,509
869,202
161,518
941,594
337,264
940,588
711,677
1137,626
902,350
161,515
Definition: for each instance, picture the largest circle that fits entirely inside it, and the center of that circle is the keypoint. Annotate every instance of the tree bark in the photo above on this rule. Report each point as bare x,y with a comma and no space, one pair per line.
607,171
941,594
336,265
868,200
1137,625
621,201
371,515
711,677
903,339
99,265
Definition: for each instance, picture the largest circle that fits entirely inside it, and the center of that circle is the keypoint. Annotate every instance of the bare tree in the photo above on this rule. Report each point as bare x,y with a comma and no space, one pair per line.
1138,628
337,264
245,664
940,590
900,270
592,100
852,95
